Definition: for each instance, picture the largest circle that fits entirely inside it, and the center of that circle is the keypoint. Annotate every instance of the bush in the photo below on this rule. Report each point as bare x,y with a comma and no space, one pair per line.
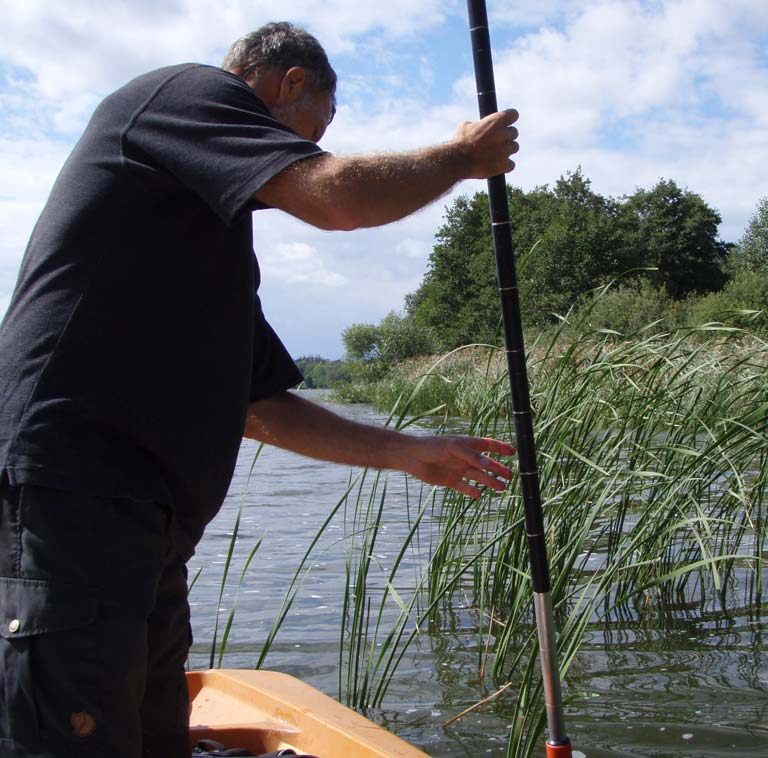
627,309
743,302
373,349
751,254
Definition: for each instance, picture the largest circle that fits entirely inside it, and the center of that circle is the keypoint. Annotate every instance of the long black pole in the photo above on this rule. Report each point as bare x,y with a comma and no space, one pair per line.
558,743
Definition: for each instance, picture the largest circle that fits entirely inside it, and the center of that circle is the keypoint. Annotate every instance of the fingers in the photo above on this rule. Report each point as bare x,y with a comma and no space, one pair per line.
501,123
508,116
487,480
472,451
494,467
482,470
474,482
512,114
489,445
461,463
482,464
466,488
504,120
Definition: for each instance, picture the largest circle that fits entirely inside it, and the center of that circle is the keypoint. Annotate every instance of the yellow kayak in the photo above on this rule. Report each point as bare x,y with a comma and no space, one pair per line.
266,711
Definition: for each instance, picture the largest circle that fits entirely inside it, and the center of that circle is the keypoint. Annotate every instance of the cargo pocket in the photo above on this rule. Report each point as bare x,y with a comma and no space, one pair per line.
49,661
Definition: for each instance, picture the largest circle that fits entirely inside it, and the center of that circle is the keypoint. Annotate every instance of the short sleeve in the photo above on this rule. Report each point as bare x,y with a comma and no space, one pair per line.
273,368
209,131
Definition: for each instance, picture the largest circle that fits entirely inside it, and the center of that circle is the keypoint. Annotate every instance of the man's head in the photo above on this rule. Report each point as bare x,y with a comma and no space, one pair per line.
289,70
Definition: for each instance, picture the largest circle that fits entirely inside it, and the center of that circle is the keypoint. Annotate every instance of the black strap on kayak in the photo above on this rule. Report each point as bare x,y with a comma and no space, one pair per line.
213,749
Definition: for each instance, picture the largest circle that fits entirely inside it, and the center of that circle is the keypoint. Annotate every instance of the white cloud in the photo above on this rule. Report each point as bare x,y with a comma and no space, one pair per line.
67,44
535,14
631,91
78,51
375,264
622,59
413,248
297,263
28,168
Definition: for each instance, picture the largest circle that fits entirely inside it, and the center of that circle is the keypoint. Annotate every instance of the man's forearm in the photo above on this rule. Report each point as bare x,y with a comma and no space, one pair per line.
293,423
377,189
344,193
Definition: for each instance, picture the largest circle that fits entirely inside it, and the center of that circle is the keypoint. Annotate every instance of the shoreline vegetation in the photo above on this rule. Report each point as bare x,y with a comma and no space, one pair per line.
652,460
590,269
464,381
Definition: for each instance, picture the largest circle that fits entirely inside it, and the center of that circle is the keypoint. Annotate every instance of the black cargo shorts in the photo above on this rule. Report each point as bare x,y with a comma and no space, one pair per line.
94,628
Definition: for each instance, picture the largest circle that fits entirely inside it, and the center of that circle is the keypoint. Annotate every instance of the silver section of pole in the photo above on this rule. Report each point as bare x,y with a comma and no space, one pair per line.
542,603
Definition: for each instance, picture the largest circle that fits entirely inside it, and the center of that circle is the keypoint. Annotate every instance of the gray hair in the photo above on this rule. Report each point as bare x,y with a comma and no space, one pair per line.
281,45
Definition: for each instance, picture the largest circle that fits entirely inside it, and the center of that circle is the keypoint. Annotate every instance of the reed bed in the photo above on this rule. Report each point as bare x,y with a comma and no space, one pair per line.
652,457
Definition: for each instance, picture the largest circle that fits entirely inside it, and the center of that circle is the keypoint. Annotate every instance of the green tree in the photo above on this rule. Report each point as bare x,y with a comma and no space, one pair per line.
322,373
576,230
568,241
565,241
751,252
455,300
400,338
372,349
675,232
743,302
361,342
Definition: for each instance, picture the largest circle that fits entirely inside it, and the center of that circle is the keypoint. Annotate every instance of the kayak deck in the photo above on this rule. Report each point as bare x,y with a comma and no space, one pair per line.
265,711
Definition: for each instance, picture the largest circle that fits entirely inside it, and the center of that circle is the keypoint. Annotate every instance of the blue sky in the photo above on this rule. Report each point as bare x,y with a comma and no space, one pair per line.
630,91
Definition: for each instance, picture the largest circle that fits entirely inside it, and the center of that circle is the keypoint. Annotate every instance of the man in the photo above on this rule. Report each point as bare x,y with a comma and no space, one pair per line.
135,355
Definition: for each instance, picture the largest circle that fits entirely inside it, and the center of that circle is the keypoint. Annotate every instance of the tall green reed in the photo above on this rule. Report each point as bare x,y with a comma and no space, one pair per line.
218,648
652,463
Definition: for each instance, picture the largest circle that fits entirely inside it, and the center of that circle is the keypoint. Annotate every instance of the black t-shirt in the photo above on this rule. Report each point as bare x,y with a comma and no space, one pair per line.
135,339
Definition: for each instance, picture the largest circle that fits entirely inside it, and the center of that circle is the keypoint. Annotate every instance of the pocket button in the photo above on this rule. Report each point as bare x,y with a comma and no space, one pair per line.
14,626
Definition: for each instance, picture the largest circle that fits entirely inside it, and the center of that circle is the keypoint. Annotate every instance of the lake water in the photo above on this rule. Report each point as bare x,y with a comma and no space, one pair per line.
690,686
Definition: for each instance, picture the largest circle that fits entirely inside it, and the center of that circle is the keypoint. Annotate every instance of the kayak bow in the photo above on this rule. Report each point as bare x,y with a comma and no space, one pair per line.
266,711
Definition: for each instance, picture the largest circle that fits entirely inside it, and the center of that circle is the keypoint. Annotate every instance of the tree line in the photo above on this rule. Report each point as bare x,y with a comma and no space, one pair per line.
658,250
322,372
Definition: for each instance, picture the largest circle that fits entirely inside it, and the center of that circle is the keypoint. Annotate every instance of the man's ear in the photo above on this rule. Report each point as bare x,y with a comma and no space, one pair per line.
292,85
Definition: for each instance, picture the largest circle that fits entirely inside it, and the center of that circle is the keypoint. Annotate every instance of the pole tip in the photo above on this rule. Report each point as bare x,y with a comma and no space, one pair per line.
561,750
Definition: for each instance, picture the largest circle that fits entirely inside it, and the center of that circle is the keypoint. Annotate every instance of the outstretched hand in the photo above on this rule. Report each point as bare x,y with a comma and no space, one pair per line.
457,462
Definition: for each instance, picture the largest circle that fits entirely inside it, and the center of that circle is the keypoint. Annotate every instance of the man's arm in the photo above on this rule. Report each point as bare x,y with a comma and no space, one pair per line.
333,192
293,423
